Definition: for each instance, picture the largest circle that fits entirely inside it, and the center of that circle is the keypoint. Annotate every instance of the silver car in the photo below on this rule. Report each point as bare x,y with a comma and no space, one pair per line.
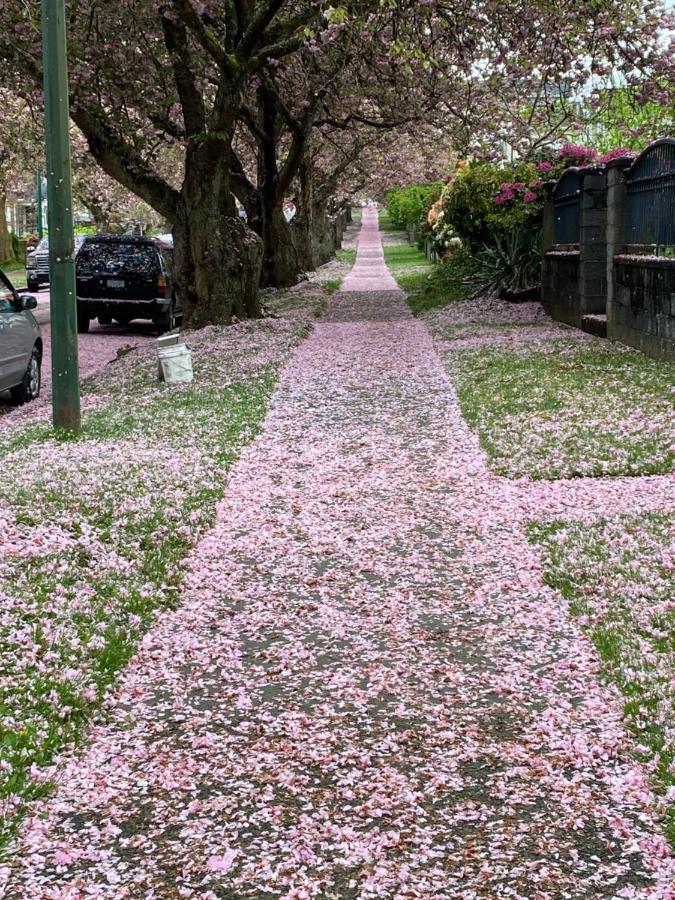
20,344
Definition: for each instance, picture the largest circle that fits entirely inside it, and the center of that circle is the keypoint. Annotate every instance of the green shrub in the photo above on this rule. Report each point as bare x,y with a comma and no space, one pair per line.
511,262
485,201
408,206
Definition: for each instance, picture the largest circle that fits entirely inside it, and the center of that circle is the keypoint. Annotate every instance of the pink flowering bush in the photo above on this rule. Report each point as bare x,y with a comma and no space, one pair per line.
575,155
618,153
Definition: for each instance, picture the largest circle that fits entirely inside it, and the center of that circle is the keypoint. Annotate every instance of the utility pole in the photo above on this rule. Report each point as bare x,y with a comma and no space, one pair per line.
65,374
38,195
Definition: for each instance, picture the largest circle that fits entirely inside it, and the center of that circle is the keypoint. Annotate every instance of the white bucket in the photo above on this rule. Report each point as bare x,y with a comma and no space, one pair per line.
176,363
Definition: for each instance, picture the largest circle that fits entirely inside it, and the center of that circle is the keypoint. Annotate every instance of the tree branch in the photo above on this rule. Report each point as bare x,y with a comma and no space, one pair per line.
191,100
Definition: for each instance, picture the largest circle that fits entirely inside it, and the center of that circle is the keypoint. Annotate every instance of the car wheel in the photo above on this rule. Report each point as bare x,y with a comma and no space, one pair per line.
33,286
105,320
168,321
29,389
82,323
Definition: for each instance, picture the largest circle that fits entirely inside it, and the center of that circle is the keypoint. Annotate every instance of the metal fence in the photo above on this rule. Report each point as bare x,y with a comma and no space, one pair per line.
566,202
650,202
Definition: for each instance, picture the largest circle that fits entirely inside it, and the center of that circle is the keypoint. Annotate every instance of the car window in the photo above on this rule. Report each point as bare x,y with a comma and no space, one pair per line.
107,256
6,300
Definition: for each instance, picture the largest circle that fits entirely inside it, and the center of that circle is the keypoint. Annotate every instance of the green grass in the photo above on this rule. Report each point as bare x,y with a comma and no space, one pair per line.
427,285
124,502
332,285
563,408
332,281
619,579
16,271
348,257
12,265
386,225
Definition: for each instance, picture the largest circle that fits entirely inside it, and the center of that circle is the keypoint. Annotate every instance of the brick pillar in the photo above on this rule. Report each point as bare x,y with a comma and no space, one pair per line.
548,225
616,204
547,241
593,242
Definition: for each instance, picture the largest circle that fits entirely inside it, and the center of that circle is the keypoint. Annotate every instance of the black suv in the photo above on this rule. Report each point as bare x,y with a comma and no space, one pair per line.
125,278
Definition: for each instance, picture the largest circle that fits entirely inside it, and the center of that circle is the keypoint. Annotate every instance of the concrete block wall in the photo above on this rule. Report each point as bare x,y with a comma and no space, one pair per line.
635,292
641,289
593,243
574,281
643,305
560,286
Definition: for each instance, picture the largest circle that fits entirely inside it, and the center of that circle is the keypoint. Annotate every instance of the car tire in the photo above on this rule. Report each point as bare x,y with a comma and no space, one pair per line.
105,320
82,323
33,286
29,389
168,321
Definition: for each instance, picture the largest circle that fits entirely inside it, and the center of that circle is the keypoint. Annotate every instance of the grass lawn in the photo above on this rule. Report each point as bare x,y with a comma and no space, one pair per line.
94,531
548,401
618,576
427,285
555,408
16,271
348,257
386,225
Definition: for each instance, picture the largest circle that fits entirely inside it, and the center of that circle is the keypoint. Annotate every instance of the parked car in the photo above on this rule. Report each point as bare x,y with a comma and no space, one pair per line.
122,277
37,263
20,344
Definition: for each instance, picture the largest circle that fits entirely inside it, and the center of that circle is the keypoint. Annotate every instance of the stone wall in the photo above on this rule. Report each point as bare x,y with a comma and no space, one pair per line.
593,243
560,286
643,305
574,281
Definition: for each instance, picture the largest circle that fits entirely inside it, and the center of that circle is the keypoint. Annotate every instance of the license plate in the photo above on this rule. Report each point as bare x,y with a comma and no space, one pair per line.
115,283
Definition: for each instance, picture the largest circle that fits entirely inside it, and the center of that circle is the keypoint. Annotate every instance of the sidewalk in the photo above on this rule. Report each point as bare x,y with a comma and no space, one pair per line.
42,313
367,691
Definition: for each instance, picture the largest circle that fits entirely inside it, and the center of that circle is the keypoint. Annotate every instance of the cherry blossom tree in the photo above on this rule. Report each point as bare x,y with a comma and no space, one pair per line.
177,80
189,77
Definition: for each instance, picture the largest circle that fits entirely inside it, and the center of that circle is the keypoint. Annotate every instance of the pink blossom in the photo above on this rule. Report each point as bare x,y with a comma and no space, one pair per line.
222,863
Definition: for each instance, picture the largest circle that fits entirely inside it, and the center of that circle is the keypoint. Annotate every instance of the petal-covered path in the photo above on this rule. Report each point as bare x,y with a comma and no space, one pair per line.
367,691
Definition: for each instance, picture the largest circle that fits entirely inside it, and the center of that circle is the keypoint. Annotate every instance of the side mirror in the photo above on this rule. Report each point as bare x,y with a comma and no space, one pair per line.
28,302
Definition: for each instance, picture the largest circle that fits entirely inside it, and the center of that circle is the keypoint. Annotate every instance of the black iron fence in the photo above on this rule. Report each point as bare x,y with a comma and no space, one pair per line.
567,203
650,201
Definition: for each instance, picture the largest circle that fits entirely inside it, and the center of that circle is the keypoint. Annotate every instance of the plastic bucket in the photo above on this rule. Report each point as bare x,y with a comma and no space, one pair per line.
176,363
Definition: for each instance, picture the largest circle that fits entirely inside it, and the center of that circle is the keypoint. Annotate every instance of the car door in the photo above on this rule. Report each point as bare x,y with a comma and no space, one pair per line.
15,336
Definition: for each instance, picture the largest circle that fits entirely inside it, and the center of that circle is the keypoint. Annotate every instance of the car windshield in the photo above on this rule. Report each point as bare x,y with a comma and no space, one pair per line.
109,256
43,245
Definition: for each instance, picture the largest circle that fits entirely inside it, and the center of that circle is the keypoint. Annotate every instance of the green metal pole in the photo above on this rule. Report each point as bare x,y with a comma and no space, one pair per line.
38,193
65,382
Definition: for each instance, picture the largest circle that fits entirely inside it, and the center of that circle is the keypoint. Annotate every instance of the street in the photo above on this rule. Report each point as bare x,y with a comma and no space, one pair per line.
96,349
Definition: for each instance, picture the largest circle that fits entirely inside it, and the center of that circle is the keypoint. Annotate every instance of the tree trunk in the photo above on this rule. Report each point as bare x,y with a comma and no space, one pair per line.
217,259
99,214
323,235
6,248
303,223
280,260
